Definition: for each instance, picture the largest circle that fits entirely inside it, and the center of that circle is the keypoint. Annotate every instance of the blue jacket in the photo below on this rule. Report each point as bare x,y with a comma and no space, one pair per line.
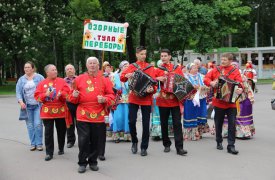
20,91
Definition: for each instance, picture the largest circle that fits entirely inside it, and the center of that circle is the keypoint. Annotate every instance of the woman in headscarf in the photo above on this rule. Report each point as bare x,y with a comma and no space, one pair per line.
195,111
245,128
120,122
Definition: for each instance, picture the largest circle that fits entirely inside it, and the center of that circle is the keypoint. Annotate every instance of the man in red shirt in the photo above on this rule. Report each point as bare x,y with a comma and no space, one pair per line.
94,94
223,108
167,103
136,101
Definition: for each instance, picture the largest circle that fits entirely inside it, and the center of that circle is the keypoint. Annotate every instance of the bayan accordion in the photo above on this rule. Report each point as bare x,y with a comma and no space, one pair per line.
179,86
139,83
226,90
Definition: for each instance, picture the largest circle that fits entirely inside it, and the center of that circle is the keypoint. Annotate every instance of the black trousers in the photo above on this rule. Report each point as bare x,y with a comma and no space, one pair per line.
71,130
219,119
60,126
88,136
177,126
102,140
145,111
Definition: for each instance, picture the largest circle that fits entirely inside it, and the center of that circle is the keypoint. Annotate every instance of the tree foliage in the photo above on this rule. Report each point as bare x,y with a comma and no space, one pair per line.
48,31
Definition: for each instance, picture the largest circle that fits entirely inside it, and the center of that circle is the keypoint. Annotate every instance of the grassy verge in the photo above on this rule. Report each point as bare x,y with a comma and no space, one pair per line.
8,89
265,81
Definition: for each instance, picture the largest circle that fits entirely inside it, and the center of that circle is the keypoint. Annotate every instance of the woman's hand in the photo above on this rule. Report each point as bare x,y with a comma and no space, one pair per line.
22,105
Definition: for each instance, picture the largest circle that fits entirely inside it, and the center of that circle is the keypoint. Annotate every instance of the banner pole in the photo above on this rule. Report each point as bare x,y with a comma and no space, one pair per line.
102,59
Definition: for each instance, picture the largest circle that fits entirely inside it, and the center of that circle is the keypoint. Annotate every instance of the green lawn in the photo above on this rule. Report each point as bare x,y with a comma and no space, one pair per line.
265,81
8,89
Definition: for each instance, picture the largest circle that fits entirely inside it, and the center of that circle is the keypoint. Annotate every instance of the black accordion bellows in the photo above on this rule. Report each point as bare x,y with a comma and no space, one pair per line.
139,83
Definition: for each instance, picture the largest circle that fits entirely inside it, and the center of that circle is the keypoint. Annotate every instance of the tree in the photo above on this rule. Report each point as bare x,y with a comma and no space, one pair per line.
200,25
138,14
80,10
262,12
20,31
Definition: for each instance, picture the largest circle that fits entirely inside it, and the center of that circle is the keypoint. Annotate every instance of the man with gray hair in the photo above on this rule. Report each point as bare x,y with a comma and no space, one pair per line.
94,95
202,69
70,76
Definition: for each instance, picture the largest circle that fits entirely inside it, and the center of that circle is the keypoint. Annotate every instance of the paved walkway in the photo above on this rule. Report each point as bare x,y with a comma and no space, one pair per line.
255,161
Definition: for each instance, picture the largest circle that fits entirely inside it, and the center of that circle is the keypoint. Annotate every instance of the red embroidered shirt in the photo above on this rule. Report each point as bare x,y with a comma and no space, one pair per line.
214,74
167,99
89,87
52,106
133,98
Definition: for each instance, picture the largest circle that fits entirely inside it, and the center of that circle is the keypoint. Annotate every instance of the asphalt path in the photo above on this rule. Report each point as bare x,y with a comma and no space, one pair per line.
255,161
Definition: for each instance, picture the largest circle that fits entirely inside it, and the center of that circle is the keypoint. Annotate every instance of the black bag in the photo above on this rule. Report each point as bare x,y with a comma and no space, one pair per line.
273,104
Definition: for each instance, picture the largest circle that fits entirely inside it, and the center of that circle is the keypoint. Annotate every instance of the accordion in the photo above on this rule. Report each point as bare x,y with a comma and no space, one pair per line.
179,86
139,83
226,90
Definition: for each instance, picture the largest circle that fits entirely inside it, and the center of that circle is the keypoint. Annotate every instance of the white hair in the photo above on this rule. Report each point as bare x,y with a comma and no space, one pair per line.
46,68
197,62
67,66
92,59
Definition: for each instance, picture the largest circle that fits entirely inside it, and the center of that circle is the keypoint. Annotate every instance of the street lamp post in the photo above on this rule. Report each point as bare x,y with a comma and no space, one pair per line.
256,34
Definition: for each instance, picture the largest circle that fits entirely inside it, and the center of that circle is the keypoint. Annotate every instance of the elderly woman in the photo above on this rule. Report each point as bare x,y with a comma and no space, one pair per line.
120,115
25,88
195,121
52,93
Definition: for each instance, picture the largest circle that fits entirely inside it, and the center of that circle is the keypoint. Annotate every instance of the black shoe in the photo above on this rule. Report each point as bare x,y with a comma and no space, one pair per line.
167,149
143,152
232,150
82,169
60,152
101,158
94,167
219,146
48,157
181,152
134,148
70,145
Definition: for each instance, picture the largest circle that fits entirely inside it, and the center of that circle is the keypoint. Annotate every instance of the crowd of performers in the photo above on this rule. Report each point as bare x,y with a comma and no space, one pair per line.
103,103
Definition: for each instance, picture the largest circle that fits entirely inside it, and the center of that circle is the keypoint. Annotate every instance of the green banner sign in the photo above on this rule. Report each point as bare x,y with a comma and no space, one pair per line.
105,36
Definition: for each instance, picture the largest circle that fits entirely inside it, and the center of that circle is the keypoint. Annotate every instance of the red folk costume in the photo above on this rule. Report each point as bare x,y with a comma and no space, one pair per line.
167,99
133,98
89,87
249,72
214,74
52,108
